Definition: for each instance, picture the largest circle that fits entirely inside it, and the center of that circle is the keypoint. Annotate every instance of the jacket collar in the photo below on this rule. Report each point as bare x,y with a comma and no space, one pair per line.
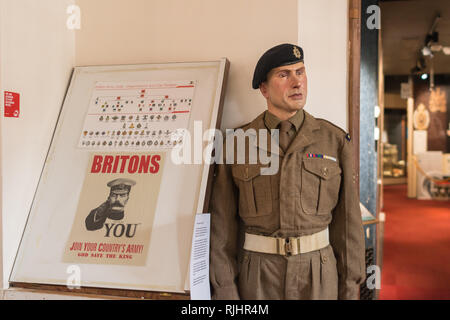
305,135
272,121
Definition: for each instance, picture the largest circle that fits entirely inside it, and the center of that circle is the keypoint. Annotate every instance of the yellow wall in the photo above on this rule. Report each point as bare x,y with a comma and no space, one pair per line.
143,31
37,56
323,33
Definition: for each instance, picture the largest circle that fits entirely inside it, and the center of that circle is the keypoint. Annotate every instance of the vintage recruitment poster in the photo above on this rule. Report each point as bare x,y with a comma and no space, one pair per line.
115,213
137,115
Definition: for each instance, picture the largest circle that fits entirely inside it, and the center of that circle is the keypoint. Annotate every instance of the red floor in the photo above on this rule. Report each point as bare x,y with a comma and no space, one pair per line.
416,249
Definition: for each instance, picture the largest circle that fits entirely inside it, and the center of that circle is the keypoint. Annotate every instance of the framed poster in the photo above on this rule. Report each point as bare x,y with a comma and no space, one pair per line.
111,203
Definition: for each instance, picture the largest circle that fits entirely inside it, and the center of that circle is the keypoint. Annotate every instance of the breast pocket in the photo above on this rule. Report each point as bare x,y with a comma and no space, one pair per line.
255,196
321,179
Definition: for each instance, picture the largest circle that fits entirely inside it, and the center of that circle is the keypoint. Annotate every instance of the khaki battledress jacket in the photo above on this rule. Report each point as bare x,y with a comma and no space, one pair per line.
305,196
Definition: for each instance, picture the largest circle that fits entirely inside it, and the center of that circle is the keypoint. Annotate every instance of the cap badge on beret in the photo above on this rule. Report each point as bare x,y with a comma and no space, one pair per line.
297,52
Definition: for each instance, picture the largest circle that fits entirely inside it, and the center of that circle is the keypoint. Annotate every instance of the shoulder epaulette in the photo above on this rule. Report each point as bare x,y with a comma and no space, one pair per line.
347,135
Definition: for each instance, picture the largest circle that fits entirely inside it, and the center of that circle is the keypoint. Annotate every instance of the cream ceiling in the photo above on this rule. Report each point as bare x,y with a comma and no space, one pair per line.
404,26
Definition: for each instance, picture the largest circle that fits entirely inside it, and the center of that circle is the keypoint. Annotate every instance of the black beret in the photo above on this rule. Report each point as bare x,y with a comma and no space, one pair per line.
280,55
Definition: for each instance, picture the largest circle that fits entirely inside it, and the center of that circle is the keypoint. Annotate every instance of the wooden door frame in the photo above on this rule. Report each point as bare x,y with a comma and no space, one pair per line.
354,63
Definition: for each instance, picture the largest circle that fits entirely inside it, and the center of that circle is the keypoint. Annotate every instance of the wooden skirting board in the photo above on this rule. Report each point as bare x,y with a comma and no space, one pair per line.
98,293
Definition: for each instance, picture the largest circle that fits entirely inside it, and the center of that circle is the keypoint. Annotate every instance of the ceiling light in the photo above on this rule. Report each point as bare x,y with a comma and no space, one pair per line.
426,51
436,47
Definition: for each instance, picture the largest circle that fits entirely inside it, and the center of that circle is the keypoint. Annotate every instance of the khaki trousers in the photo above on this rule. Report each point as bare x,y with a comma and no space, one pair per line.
307,276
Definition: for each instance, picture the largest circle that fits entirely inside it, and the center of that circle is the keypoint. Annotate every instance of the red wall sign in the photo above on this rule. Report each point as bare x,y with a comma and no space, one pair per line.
12,104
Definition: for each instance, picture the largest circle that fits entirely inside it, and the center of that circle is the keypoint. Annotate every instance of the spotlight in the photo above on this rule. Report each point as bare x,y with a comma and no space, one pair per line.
426,51
424,76
436,47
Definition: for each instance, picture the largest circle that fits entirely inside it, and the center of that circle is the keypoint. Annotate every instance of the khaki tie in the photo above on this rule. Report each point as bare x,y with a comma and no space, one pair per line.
285,126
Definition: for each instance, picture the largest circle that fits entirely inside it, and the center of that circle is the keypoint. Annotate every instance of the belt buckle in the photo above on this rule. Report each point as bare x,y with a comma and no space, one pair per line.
288,247
292,246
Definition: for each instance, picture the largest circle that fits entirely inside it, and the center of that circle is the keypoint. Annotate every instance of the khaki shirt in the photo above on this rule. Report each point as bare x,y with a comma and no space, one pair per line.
305,196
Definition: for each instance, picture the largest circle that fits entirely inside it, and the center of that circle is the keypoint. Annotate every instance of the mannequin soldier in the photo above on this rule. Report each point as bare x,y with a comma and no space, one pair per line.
302,228
113,207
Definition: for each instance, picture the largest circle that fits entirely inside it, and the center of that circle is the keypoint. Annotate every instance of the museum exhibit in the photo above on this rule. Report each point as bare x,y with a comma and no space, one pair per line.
225,150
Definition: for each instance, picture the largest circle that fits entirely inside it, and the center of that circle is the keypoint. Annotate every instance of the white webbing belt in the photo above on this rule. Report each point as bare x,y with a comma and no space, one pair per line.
287,246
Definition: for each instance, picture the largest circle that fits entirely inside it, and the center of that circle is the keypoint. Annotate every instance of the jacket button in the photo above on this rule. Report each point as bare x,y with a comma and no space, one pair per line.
325,171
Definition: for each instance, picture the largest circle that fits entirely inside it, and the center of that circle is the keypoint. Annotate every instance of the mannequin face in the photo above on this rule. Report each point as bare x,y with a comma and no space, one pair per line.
285,90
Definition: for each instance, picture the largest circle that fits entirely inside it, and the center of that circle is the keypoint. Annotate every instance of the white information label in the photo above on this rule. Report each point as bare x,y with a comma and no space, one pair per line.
199,268
420,141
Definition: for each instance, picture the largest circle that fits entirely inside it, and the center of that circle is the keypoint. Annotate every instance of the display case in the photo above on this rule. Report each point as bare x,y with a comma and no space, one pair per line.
392,167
